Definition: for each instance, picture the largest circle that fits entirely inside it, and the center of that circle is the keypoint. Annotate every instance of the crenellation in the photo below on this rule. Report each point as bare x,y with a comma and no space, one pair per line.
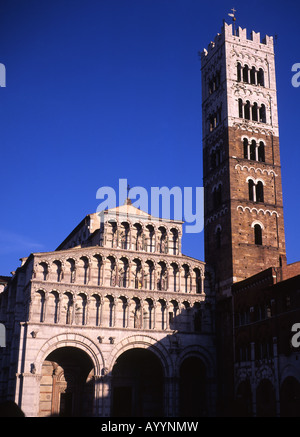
255,37
265,44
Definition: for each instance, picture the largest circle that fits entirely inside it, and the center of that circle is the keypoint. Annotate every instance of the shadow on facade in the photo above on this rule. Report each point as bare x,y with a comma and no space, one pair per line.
10,409
140,383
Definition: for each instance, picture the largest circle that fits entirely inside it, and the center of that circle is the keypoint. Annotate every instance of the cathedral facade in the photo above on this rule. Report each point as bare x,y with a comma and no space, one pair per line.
115,322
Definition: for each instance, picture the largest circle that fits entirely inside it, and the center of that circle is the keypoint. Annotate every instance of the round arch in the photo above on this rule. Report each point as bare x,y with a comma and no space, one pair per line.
198,352
142,342
137,384
73,340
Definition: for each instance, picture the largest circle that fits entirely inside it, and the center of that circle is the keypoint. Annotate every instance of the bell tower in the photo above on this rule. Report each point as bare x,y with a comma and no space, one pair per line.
243,212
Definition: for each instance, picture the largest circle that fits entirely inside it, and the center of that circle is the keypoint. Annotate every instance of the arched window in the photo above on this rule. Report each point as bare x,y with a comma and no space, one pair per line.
260,77
253,76
84,269
261,152
258,234
247,110
175,276
217,196
124,235
245,144
43,269
174,242
246,74
150,234
251,189
149,275
162,244
262,114
255,112
253,150
239,72
240,108
123,272
58,270
256,191
259,192
186,278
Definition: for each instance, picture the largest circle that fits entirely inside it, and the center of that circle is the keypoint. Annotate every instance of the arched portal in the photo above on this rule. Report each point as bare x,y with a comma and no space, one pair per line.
193,388
265,399
243,405
290,398
67,384
137,385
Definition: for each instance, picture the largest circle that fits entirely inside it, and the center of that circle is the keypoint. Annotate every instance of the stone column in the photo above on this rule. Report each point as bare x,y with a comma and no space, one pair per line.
154,315
167,316
202,284
276,379
106,394
179,278
253,379
101,311
30,389
98,389
87,310
114,313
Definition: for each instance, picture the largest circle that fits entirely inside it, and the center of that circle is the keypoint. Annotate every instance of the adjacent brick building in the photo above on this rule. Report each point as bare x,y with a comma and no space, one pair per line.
257,292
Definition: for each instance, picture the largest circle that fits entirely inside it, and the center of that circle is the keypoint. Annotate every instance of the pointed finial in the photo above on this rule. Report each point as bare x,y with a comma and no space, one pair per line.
128,201
233,19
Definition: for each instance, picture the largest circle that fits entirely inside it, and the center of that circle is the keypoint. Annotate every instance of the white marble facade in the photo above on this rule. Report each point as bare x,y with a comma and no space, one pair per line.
110,287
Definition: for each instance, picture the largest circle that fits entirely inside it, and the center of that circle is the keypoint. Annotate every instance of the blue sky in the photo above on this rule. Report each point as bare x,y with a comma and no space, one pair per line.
108,89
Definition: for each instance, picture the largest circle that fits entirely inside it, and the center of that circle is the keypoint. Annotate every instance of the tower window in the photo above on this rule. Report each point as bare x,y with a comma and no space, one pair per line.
250,75
252,112
251,189
239,72
245,143
253,150
215,119
215,159
247,110
258,234
246,74
259,192
253,76
256,191
255,112
262,114
260,77
214,83
241,108
261,152
217,196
